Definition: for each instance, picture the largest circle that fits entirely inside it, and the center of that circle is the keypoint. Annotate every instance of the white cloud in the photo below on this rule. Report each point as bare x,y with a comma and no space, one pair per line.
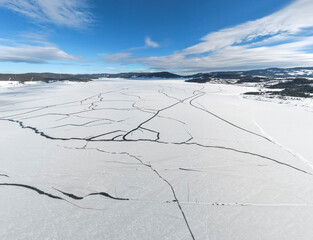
34,54
282,39
290,20
70,13
150,43
127,56
117,57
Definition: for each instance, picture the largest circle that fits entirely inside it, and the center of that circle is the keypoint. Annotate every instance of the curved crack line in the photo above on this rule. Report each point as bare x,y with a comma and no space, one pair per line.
161,177
195,96
43,134
36,131
76,125
19,114
156,114
238,151
104,134
104,194
245,152
100,94
243,129
165,94
40,192
153,141
93,105
19,109
131,95
177,201
119,162
188,170
39,109
67,115
140,125
153,131
153,112
32,188
143,110
73,113
222,119
57,105
173,119
61,104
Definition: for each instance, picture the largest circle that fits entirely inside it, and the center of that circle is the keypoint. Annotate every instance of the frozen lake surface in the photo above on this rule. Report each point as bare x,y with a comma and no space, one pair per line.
161,159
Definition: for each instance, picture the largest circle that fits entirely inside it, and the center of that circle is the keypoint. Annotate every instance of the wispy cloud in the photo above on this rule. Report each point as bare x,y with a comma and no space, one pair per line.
34,54
117,57
282,39
70,13
126,56
288,21
150,43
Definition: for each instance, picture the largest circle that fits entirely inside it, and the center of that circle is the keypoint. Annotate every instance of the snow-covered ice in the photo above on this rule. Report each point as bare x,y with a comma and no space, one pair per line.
158,159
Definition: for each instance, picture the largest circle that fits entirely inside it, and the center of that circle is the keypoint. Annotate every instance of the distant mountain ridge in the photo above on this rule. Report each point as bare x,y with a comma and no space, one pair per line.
45,77
82,77
269,73
143,75
239,75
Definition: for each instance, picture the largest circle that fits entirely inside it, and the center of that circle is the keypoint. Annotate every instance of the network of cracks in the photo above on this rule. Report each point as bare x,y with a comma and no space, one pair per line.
86,118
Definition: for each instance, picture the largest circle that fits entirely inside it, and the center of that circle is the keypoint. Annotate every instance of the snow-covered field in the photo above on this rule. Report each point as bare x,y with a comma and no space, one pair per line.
130,159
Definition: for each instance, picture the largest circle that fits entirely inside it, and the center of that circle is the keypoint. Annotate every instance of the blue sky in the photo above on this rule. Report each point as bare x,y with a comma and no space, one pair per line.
185,36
